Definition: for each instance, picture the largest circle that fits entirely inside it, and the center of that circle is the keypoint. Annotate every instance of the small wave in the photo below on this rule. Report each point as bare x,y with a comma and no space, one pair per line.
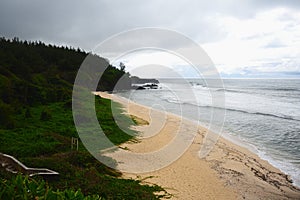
177,101
171,100
263,114
195,83
238,91
244,111
200,87
281,89
257,90
233,91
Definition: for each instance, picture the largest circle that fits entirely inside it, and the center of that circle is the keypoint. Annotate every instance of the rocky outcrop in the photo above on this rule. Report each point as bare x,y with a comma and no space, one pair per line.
137,80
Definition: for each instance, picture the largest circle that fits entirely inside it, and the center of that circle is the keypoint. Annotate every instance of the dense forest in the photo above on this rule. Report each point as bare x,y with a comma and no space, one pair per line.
34,73
36,126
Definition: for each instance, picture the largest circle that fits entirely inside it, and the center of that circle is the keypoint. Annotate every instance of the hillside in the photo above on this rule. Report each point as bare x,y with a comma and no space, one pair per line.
36,122
32,73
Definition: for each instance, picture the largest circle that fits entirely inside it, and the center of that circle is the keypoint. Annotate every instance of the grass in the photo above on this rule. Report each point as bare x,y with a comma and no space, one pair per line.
108,124
139,121
43,140
21,187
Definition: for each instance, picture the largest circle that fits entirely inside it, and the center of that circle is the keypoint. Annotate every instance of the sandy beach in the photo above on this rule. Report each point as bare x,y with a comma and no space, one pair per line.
228,172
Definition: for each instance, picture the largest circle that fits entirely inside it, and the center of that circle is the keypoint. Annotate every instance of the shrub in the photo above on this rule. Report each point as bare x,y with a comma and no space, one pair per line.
6,116
28,113
21,187
45,115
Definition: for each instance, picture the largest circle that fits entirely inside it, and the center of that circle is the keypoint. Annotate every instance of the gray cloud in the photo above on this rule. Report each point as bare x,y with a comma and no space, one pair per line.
86,23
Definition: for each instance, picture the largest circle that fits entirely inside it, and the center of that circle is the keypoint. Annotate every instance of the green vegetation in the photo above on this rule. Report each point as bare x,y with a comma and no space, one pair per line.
33,73
107,121
46,143
21,187
139,121
36,126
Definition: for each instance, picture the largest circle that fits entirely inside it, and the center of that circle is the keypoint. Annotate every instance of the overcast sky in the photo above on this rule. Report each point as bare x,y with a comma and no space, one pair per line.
249,38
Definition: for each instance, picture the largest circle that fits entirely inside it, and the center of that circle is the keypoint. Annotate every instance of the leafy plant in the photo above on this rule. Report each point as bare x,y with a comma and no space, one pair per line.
22,187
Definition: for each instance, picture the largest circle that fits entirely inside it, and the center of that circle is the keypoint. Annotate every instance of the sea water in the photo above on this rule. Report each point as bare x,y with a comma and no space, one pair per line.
263,114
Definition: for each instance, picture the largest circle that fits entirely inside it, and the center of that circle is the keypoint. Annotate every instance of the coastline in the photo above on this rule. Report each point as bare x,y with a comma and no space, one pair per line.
229,171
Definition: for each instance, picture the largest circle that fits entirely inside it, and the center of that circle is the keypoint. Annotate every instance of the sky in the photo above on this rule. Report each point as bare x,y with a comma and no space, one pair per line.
249,38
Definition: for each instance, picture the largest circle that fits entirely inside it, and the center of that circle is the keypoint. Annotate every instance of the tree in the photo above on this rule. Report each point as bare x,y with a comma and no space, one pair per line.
122,66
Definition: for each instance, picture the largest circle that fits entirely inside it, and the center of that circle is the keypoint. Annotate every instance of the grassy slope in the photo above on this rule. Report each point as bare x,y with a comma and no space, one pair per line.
46,143
36,123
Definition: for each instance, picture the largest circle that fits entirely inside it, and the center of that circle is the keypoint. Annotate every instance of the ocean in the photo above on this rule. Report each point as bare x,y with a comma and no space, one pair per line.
261,114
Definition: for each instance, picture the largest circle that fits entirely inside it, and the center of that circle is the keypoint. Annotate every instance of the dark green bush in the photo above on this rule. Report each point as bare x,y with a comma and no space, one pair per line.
45,115
6,116
28,113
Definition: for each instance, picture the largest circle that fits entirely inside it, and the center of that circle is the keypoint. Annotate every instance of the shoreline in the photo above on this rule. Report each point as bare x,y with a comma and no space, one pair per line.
253,149
261,154
230,171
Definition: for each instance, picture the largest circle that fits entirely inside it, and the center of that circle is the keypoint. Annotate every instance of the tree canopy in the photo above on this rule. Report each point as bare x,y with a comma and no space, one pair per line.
33,73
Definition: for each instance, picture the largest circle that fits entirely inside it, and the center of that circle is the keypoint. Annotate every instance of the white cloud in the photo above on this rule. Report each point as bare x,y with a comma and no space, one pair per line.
270,41
187,61
151,63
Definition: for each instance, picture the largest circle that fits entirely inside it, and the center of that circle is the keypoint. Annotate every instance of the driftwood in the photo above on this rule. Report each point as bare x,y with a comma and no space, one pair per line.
11,164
